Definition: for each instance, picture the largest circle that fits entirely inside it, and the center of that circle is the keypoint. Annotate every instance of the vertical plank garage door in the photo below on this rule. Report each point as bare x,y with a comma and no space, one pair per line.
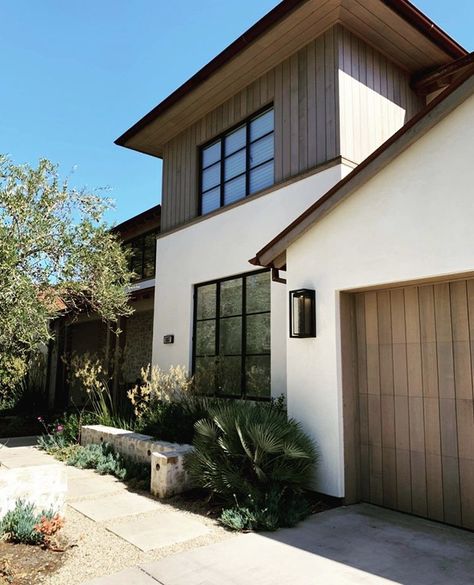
415,355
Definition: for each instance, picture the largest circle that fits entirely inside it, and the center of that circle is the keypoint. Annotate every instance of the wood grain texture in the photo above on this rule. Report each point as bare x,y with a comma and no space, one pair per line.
416,409
336,96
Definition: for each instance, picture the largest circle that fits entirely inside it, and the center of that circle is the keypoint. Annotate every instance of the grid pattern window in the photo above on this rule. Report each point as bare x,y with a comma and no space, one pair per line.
238,164
231,346
143,255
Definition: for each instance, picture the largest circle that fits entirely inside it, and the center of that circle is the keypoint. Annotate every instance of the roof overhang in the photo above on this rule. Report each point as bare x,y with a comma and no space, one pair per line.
394,27
274,253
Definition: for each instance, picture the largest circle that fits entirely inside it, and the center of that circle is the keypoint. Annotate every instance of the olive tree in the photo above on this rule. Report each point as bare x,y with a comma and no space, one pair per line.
56,253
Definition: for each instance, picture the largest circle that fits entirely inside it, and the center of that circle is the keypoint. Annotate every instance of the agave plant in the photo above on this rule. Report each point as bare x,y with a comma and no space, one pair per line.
244,451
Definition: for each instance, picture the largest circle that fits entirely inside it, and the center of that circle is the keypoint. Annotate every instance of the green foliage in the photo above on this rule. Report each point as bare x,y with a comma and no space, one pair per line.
275,510
106,461
55,253
253,458
19,525
173,421
94,377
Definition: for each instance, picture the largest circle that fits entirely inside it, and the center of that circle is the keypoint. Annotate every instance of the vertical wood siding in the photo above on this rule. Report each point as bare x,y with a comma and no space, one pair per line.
375,97
311,126
415,349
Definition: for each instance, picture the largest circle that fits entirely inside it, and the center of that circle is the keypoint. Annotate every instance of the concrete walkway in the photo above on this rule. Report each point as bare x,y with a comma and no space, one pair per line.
137,518
356,545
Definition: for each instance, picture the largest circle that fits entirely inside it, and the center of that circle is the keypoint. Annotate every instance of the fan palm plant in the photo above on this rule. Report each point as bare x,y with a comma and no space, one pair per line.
246,453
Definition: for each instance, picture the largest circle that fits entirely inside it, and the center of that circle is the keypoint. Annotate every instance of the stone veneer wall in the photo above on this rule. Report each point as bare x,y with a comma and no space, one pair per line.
167,473
138,344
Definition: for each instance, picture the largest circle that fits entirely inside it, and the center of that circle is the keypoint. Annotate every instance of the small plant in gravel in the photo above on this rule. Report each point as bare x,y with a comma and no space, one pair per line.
106,461
24,525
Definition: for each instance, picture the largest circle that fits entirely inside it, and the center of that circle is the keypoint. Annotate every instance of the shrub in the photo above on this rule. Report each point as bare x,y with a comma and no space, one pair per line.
94,377
256,461
106,461
173,421
62,437
24,525
165,405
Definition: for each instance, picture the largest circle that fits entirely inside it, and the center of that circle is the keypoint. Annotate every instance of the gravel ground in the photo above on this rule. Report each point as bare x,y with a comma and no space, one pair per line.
98,552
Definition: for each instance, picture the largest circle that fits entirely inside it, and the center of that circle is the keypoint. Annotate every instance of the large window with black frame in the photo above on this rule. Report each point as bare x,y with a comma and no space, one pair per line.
238,163
231,344
143,255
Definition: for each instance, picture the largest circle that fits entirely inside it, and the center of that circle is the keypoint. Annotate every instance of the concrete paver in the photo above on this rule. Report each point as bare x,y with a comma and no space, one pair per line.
356,545
115,506
157,529
91,485
128,577
13,457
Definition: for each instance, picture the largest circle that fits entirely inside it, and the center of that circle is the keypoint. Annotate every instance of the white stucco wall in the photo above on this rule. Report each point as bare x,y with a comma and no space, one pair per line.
414,220
221,246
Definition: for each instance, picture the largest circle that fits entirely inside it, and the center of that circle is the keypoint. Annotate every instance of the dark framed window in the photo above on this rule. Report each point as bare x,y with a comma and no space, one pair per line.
238,163
231,342
143,255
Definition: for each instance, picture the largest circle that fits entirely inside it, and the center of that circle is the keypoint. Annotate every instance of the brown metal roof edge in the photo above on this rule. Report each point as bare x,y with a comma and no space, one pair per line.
426,26
403,8
256,261
266,22
441,73
143,216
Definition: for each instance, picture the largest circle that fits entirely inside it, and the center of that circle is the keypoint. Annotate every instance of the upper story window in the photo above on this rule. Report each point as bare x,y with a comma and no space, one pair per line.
143,255
238,163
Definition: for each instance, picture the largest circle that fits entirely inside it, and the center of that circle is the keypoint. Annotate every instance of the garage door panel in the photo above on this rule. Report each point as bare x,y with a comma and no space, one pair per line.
451,490
427,315
403,480
432,426
445,369
448,422
417,424
375,421
387,413
462,369
365,472
459,311
415,348
470,307
434,487
465,422
389,478
443,332
466,479
418,483
376,475
402,423
400,382
364,419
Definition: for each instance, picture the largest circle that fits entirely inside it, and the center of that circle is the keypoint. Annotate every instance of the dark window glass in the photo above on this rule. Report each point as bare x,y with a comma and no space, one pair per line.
238,164
143,255
231,349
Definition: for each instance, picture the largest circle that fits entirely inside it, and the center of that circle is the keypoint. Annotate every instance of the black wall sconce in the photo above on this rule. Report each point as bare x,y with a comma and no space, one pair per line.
302,313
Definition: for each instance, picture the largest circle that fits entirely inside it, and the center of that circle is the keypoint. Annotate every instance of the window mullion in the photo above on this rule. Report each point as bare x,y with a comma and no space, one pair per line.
247,159
222,169
243,382
218,334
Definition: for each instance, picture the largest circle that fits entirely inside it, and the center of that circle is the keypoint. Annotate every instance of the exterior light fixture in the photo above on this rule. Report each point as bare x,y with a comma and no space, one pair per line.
302,313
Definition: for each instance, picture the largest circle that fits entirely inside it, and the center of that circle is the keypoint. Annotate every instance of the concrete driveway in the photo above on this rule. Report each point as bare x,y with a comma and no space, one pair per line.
357,544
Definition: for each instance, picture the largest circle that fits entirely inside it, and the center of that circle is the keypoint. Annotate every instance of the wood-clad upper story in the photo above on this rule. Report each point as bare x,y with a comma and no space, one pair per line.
338,74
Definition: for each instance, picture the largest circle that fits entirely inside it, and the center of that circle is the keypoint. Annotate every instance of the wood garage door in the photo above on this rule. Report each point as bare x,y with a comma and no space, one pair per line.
415,353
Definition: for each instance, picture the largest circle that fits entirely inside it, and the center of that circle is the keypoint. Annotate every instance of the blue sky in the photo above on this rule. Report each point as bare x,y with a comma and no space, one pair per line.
75,75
